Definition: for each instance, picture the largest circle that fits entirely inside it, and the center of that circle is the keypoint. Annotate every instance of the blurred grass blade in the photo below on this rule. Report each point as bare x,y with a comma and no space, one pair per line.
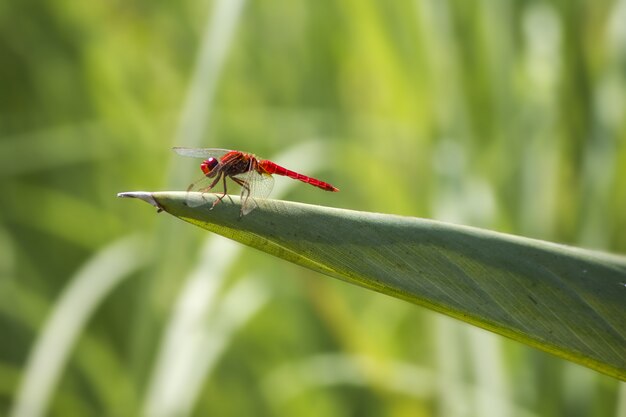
84,293
201,327
567,301
293,378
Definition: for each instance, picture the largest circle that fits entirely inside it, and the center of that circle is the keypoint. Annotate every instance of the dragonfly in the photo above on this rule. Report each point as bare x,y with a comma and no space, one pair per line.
253,174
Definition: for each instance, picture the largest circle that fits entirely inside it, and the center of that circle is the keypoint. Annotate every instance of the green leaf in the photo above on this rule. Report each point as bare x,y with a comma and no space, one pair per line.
564,300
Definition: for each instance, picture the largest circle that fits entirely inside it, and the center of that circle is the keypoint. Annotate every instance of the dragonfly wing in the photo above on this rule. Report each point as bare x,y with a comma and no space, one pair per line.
202,185
256,186
201,152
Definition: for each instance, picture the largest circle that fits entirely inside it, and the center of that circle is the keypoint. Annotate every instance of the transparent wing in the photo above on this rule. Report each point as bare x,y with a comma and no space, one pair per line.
201,185
256,186
201,152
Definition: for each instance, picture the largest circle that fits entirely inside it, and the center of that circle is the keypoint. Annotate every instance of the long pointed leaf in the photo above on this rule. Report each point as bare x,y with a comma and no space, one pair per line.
564,300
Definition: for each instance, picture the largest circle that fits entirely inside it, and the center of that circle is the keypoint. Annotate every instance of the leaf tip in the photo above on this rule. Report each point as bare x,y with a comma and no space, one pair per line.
142,195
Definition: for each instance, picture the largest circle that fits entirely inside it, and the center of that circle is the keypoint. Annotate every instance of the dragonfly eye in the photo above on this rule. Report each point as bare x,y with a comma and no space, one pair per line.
208,166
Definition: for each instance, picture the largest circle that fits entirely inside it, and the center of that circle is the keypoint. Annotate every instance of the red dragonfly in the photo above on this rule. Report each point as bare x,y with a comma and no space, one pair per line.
254,175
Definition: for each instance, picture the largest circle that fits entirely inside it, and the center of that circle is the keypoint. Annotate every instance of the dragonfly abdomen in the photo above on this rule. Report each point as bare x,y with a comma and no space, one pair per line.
272,168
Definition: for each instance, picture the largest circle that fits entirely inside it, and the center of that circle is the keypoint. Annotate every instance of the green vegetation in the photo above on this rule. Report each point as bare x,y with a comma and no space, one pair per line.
507,116
562,299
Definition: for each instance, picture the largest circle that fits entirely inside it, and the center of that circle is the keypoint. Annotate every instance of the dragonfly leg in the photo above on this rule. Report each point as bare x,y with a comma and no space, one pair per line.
210,187
220,197
244,186
245,193
225,193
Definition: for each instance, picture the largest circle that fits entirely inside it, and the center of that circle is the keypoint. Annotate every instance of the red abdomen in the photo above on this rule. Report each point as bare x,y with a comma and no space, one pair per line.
272,168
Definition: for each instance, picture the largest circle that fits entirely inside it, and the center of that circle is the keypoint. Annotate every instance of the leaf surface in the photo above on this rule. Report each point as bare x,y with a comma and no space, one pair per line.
564,300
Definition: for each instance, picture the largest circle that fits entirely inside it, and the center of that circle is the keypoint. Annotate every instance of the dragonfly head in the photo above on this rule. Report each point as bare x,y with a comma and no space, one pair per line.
209,166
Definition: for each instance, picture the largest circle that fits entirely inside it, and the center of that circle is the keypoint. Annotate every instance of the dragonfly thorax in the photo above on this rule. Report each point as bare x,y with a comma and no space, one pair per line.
208,167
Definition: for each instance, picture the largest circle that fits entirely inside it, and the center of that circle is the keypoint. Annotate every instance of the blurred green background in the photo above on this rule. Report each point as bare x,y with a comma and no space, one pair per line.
508,115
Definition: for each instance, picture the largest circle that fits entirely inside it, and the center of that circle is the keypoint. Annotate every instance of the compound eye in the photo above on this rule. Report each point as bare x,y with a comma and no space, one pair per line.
209,165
